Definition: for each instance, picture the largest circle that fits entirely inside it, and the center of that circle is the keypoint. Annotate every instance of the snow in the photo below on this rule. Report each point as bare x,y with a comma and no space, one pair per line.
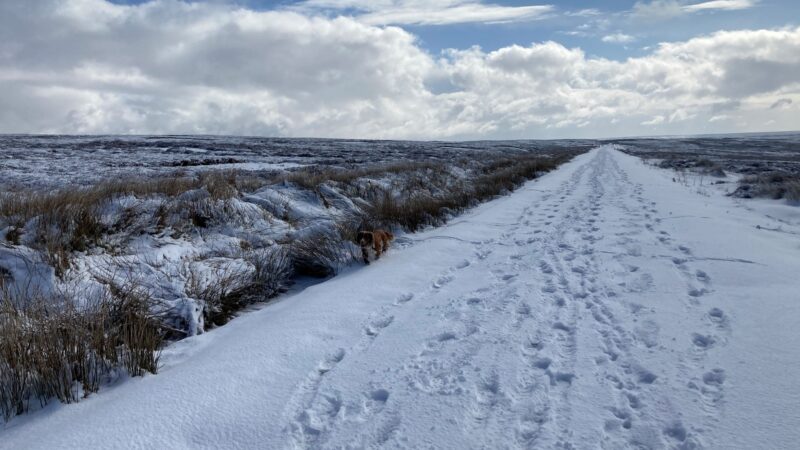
603,305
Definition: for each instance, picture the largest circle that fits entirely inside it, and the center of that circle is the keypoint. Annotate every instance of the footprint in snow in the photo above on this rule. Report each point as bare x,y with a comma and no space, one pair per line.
718,317
702,276
443,280
446,336
330,361
676,431
562,327
404,298
715,377
380,396
645,376
375,327
542,363
549,288
695,292
702,341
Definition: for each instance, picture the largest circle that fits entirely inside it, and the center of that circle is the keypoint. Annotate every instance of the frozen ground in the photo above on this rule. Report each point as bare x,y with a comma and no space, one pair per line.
603,305
53,161
752,153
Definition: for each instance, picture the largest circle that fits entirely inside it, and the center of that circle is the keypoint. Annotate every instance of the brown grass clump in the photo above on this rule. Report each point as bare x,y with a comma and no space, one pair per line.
774,185
311,177
319,253
229,291
69,220
220,185
55,347
415,211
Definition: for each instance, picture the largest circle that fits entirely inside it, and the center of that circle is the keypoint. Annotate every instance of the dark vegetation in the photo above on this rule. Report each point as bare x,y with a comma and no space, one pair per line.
769,164
52,347
775,185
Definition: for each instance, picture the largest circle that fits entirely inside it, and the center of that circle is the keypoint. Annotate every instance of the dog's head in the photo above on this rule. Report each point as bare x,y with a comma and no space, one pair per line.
364,238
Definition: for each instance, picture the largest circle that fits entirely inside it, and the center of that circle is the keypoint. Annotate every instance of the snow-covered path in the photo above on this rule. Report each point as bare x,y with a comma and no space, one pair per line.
600,306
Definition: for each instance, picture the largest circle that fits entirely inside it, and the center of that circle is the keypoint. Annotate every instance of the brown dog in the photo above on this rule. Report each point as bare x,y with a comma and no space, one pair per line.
378,239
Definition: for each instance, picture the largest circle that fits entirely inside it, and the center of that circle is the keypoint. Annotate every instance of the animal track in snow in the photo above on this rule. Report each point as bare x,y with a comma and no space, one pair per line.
702,276
549,288
562,327
330,361
715,377
404,298
697,292
375,327
676,430
702,341
442,280
718,317
463,264
379,395
645,376
446,336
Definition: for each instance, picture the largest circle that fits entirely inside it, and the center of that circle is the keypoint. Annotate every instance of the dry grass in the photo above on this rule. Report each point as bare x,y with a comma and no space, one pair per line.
69,220
227,290
56,348
311,177
415,211
774,185
319,253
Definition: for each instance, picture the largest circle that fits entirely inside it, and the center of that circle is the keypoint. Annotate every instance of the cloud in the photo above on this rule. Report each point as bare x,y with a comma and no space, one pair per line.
781,103
431,12
588,12
725,5
657,120
166,66
666,9
618,38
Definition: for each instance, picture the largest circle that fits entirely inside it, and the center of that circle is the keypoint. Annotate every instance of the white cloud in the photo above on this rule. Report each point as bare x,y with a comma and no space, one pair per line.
720,118
431,12
589,12
618,38
726,5
665,9
175,67
657,120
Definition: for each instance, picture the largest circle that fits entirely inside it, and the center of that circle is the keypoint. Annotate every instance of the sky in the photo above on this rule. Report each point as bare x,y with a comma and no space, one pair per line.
400,69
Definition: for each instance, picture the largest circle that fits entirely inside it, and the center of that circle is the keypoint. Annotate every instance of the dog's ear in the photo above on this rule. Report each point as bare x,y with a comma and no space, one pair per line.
364,237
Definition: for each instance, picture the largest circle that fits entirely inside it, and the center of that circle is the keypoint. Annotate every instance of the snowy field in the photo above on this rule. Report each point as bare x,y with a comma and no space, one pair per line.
54,161
601,306
739,153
